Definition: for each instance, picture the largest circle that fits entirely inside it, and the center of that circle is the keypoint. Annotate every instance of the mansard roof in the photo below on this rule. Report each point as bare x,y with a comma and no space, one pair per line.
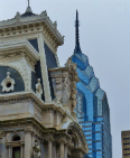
30,18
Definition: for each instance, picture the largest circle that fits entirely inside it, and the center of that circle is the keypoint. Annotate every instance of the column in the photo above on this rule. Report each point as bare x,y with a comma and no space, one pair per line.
22,151
10,151
5,151
28,145
62,150
50,149
66,151
0,147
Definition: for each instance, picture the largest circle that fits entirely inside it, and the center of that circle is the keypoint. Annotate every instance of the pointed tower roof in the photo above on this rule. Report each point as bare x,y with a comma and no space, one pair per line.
78,57
77,49
28,12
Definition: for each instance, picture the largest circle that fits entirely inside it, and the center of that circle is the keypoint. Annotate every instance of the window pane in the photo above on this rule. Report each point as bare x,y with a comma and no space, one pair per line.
16,152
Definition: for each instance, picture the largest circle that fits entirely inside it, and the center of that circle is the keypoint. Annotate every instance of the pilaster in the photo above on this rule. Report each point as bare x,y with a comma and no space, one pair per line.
66,151
28,145
62,150
50,150
44,68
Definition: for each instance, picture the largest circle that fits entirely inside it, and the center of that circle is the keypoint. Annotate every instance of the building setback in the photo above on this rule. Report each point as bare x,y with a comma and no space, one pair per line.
125,135
37,97
92,106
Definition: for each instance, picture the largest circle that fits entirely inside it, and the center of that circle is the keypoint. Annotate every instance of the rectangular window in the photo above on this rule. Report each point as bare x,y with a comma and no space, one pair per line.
16,152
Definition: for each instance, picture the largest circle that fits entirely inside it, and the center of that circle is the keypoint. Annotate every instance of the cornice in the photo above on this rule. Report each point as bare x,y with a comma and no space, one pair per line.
71,69
33,126
41,19
19,48
31,95
27,125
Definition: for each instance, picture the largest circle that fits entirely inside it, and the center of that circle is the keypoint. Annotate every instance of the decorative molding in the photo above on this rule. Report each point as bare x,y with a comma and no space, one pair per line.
31,95
20,25
15,144
64,85
36,149
18,48
20,66
76,129
8,83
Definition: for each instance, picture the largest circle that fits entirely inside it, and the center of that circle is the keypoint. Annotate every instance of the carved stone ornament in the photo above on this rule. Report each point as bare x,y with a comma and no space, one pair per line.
58,89
8,83
36,152
66,90
64,85
39,90
1,134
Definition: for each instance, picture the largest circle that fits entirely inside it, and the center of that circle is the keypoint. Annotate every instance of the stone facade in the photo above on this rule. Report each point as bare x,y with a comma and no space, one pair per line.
37,97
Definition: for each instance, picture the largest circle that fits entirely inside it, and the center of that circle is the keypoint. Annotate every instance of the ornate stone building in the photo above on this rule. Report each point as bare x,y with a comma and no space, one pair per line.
37,97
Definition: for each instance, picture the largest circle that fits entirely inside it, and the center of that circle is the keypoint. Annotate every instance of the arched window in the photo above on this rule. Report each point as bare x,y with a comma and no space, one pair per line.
16,149
16,138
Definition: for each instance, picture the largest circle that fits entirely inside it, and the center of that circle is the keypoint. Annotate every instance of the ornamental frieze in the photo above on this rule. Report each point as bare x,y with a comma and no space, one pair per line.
63,82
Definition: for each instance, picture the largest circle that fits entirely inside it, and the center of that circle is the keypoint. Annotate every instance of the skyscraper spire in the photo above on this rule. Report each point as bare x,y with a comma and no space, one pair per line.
77,40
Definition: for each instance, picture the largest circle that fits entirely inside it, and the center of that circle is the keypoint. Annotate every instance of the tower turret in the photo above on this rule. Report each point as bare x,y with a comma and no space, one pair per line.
37,96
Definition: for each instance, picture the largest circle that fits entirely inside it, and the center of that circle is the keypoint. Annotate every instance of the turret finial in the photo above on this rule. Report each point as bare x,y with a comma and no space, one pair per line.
28,3
77,40
28,11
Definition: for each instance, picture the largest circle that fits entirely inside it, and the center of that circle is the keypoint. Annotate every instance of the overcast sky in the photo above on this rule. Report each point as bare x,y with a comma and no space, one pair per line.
104,31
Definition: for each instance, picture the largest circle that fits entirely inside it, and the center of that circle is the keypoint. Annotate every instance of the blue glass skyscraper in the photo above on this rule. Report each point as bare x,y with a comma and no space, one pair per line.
92,106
